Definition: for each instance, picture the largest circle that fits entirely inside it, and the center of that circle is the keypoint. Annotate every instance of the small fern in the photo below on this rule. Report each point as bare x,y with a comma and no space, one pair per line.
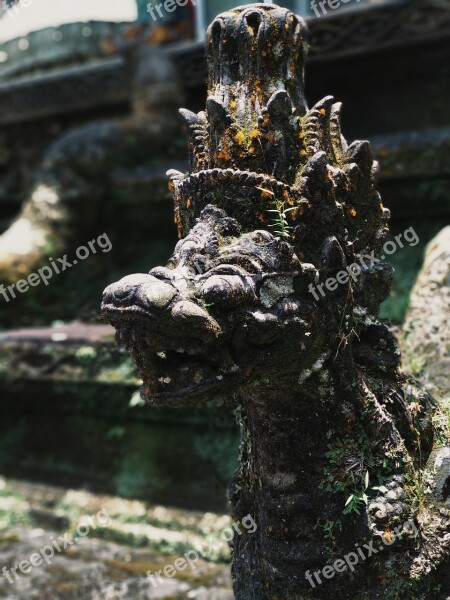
280,225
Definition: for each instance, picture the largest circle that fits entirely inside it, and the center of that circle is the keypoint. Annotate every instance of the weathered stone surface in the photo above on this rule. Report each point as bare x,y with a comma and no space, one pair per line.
276,207
426,334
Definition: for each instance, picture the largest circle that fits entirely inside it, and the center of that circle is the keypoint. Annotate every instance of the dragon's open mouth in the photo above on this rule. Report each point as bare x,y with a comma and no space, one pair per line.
176,374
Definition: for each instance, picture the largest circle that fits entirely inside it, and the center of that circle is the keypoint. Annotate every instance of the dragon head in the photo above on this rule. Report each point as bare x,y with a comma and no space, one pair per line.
228,308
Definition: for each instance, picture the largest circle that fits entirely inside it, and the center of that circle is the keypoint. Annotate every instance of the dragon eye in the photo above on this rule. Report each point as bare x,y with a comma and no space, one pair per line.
227,291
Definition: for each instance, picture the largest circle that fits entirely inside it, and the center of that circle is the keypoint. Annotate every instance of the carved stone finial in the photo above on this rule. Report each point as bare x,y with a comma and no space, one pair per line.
253,52
271,300
256,57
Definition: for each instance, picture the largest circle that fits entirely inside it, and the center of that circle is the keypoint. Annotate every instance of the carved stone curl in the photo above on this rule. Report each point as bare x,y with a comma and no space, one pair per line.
275,205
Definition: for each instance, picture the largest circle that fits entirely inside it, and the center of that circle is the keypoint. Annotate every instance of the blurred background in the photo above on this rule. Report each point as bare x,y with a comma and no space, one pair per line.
89,94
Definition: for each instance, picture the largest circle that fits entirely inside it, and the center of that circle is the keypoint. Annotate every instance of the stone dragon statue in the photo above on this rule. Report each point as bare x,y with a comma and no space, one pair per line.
275,204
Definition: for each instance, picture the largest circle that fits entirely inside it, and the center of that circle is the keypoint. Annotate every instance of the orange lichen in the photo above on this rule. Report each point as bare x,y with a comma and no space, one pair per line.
239,138
189,203
352,212
177,220
303,152
323,112
224,155
259,93
287,198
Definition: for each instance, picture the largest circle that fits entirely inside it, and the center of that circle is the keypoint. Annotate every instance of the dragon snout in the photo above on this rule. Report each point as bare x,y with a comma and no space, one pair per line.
154,309
141,291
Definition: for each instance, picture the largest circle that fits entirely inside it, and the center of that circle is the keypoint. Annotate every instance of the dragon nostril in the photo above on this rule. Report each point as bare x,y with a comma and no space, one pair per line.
117,292
125,289
122,293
